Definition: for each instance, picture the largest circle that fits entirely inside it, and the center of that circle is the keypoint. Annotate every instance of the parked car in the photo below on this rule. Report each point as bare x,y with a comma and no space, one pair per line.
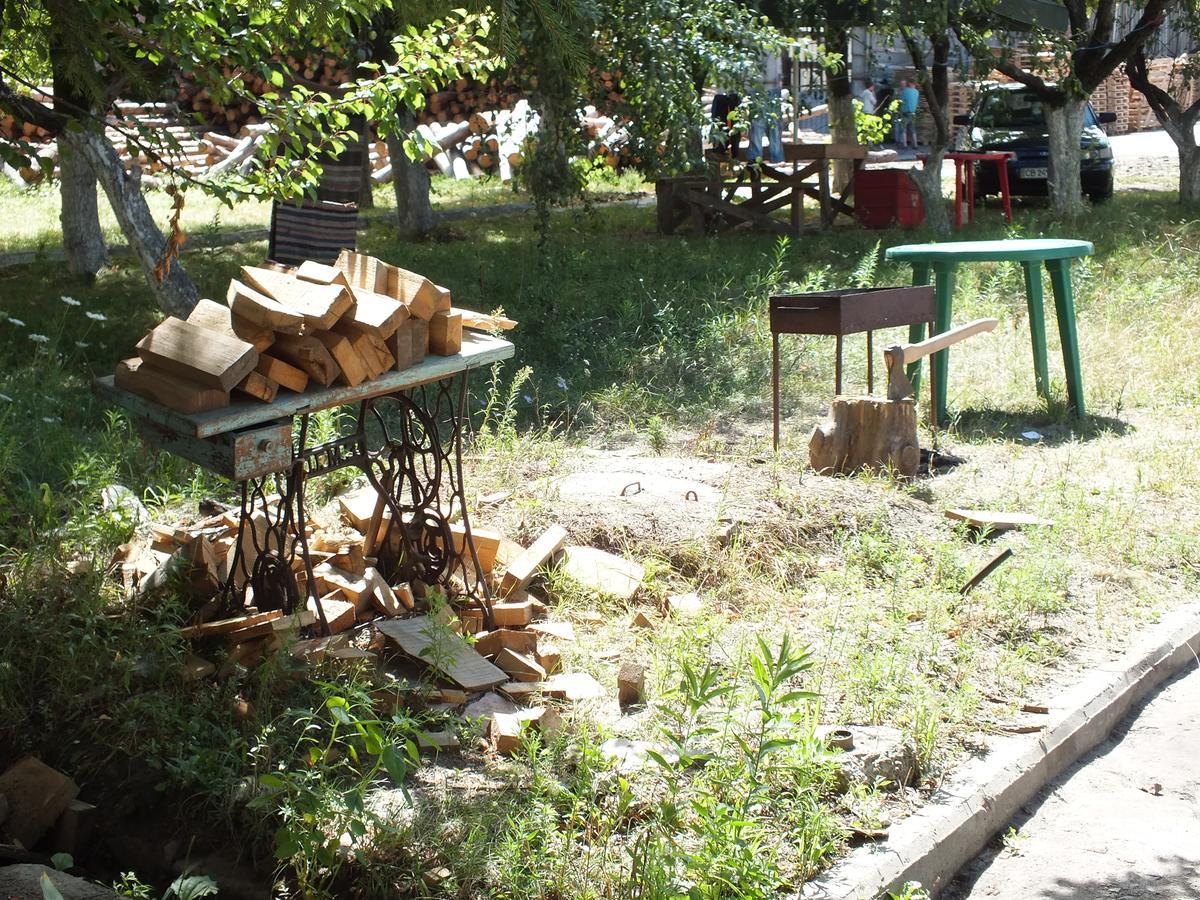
1011,117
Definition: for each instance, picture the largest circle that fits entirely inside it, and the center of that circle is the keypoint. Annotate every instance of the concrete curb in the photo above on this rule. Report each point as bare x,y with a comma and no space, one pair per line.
973,804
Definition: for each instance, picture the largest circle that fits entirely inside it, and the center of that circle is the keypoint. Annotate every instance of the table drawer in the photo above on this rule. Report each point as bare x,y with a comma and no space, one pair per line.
249,453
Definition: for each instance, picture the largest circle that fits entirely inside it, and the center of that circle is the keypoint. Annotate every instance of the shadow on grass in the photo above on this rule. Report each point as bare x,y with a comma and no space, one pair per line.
1053,426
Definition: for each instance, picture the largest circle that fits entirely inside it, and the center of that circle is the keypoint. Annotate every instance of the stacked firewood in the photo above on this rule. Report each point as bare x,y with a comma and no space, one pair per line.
287,329
511,675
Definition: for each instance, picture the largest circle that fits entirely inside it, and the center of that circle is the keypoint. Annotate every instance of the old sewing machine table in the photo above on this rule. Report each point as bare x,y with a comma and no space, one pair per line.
407,440
1056,254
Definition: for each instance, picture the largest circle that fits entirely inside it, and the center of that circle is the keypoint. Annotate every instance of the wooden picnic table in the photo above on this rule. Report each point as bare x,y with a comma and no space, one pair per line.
720,200
406,439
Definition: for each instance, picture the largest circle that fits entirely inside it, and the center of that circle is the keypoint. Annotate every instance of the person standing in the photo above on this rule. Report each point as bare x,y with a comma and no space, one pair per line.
868,100
906,122
766,119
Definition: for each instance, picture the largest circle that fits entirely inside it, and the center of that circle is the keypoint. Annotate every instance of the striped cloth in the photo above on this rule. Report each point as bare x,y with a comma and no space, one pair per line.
311,230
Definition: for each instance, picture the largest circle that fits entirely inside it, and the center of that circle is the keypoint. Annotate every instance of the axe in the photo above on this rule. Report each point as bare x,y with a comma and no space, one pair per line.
900,355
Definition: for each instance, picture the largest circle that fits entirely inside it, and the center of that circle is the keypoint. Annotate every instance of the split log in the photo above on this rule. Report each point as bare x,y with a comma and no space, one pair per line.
216,317
867,432
179,394
197,354
309,355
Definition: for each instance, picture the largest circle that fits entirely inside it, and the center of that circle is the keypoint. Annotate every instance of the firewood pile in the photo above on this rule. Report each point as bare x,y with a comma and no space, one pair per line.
476,127
512,676
292,329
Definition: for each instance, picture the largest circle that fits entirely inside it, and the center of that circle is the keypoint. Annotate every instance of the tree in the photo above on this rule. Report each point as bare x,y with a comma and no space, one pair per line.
1177,120
1064,70
928,37
114,46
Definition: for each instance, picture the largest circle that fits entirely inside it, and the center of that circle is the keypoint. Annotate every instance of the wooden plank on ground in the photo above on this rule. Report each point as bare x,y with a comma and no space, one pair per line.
603,573
227,626
995,521
36,795
436,645
522,569
139,377
197,354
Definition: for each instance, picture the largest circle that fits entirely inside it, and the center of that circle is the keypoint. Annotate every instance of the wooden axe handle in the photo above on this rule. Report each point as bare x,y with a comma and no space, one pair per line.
913,352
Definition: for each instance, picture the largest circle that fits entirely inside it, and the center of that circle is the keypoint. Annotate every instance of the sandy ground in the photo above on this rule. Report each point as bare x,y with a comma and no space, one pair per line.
1123,823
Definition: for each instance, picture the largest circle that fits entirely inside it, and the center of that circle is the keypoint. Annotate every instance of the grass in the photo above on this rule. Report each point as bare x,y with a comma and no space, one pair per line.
631,339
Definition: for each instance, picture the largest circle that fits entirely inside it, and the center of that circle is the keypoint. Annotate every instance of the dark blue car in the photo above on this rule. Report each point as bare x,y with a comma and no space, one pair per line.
1010,117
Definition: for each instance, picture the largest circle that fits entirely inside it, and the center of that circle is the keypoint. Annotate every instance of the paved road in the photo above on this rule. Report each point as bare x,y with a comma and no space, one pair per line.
1103,831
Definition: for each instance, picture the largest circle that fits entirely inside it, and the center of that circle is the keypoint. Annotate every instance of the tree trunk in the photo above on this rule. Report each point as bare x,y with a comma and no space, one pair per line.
841,106
1189,171
410,180
83,241
867,433
366,195
174,293
1065,124
928,179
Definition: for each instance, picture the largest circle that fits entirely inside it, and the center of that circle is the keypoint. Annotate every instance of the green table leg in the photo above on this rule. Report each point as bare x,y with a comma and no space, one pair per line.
1037,325
1064,305
916,331
940,364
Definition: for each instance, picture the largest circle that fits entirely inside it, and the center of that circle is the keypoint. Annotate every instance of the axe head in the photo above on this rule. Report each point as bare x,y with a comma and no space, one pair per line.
899,387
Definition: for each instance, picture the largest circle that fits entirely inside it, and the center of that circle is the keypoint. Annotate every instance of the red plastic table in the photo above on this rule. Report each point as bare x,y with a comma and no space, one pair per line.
967,185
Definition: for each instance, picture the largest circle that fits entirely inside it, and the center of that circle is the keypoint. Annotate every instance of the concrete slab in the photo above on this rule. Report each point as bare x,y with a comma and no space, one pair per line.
1124,822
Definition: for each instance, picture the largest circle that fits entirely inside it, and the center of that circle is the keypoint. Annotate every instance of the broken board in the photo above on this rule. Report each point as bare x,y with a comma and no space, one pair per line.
453,656
996,521
601,572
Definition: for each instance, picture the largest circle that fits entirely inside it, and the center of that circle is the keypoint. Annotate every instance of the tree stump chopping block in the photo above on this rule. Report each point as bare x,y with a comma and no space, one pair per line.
866,433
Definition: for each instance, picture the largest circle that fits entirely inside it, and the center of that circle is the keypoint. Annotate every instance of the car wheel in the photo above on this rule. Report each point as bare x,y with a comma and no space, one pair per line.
1105,193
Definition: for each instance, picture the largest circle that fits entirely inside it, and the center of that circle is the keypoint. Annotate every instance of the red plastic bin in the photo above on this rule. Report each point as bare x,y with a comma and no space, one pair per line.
887,197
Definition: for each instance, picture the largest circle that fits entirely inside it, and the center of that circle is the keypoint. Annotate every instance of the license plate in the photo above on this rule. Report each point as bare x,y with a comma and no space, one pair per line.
1039,172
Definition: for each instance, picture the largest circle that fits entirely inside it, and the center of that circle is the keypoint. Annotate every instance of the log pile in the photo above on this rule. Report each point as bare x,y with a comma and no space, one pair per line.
292,329
511,676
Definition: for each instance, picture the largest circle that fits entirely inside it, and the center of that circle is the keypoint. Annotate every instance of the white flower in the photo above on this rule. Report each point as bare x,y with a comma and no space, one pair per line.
6,398
50,420
96,317
39,338
16,322
562,383
528,399
70,301
82,345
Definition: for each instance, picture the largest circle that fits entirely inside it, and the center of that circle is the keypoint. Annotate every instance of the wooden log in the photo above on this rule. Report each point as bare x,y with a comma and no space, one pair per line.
400,345
259,387
309,355
321,305
319,273
374,312
215,317
418,293
282,373
197,354
445,333
522,569
259,309
353,369
867,433
483,321
419,332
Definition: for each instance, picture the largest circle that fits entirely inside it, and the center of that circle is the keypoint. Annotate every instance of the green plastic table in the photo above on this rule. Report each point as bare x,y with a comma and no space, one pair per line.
943,259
